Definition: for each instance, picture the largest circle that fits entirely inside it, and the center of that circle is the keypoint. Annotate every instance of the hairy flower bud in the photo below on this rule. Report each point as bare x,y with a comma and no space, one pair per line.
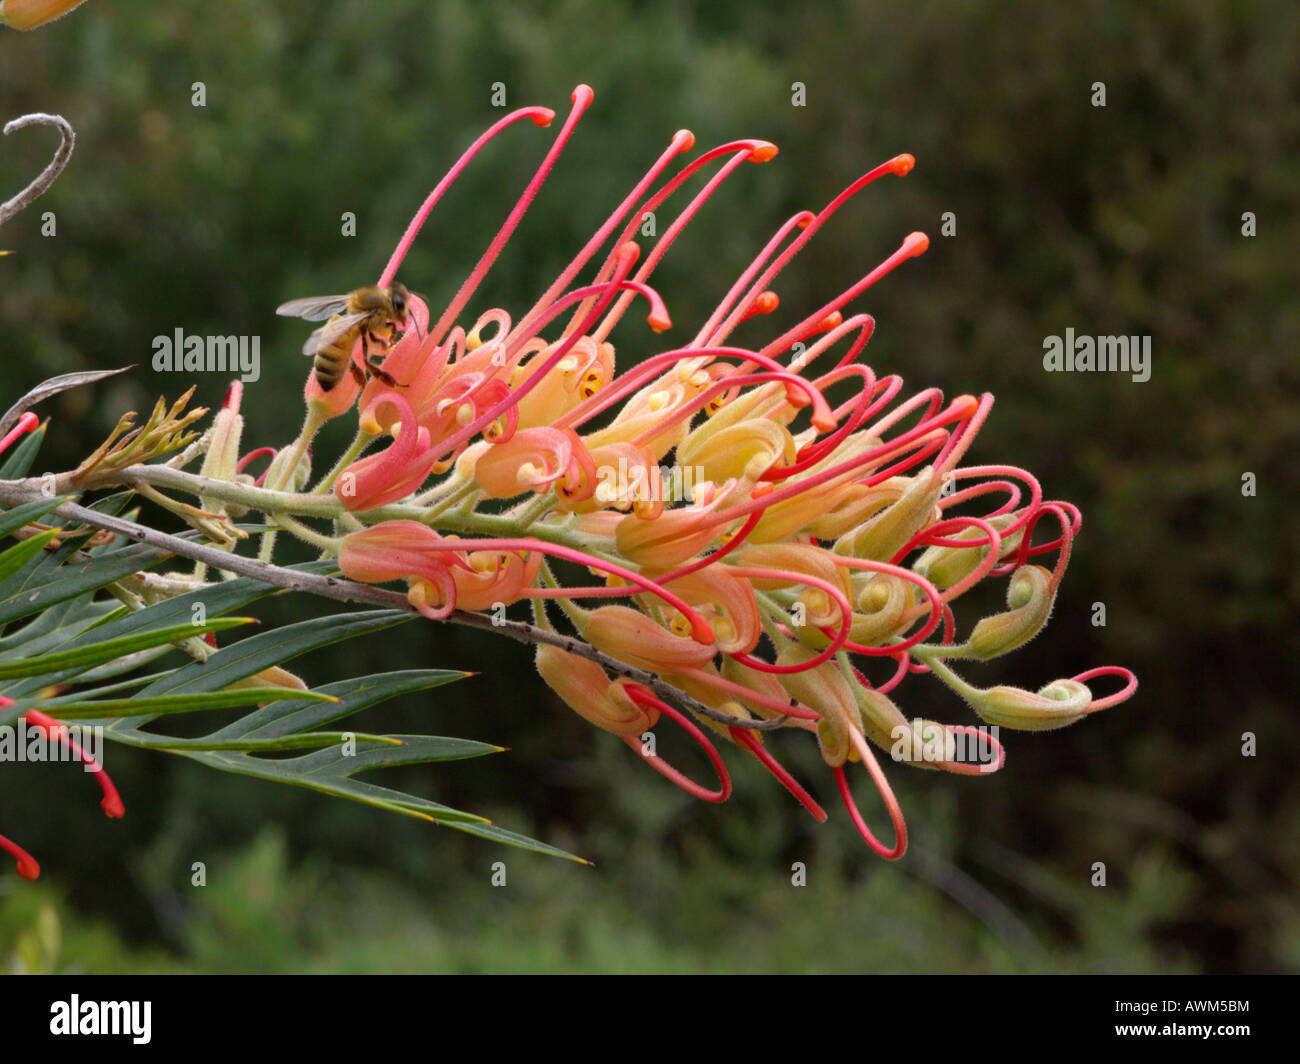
1030,595
631,636
1060,703
923,743
881,719
585,689
885,534
946,566
825,690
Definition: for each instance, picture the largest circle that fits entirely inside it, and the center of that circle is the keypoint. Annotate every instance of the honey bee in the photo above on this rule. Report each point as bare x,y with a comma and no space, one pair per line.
376,315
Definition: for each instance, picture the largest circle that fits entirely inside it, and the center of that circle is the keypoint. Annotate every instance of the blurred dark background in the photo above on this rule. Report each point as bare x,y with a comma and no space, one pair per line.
1125,219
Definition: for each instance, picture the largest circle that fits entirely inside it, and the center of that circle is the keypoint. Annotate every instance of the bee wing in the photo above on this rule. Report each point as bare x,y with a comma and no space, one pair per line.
313,308
331,331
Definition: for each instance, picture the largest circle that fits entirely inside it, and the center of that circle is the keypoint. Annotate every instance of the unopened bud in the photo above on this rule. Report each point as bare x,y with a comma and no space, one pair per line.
946,566
825,690
924,743
881,719
1060,703
301,473
885,534
882,602
1030,596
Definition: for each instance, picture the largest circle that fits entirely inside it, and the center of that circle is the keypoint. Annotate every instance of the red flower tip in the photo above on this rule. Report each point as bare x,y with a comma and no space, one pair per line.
763,151
583,95
543,117
902,164
964,406
53,729
764,303
916,244
233,396
833,320
26,423
27,866
687,138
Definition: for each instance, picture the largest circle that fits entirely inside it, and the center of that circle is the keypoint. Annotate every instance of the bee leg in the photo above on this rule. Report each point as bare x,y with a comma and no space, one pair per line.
357,373
376,370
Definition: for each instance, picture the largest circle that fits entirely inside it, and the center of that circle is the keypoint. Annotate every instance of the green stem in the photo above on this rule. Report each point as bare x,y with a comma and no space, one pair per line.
534,511
317,415
360,442
329,544
933,657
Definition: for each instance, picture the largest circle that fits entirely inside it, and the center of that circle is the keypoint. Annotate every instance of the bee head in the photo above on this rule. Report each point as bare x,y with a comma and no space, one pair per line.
401,300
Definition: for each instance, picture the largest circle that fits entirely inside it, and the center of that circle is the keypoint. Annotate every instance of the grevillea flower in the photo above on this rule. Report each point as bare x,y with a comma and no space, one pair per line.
811,564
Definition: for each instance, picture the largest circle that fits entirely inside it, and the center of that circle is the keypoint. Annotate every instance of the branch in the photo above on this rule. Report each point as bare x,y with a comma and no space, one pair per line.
13,493
46,177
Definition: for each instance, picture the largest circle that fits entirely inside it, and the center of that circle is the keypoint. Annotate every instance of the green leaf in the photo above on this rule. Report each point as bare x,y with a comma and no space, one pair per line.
69,581
354,695
66,630
12,520
98,653
21,553
260,652
76,707
19,460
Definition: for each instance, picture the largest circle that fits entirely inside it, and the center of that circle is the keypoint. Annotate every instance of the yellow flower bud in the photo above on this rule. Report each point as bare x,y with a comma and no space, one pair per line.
824,690
885,534
881,719
923,743
223,455
746,450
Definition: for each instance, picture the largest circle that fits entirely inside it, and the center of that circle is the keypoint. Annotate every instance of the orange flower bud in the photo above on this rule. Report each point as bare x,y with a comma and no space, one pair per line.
585,689
674,536
28,14
632,637
728,607
531,460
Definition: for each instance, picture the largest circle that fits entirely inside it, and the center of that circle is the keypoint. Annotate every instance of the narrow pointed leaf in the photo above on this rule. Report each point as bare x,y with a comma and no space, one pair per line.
74,707
98,653
260,652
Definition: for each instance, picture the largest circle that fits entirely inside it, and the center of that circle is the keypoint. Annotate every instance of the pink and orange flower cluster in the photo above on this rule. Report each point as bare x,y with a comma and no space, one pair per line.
813,567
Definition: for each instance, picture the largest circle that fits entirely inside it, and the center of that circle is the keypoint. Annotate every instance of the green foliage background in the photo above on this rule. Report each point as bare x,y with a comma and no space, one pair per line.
1122,220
